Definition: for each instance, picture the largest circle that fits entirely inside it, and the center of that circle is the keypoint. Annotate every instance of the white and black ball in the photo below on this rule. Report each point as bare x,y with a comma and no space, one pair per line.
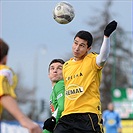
63,13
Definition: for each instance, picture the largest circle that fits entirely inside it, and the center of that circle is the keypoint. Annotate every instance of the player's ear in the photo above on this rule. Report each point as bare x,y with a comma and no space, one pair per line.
88,49
4,60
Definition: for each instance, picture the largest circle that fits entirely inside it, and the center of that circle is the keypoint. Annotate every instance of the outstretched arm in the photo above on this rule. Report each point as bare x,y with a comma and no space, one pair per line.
105,48
10,104
104,52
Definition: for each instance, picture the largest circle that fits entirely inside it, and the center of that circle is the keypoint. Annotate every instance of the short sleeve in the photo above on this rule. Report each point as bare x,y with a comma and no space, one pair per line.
7,83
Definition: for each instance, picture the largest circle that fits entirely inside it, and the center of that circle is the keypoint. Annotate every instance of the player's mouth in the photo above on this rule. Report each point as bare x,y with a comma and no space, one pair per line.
76,53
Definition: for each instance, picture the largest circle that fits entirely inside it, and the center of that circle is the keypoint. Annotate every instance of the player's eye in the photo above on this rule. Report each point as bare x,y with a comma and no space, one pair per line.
76,43
60,68
52,68
82,45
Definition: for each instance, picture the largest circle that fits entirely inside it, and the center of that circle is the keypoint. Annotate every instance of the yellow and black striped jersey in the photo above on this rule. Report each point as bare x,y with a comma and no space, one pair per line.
82,81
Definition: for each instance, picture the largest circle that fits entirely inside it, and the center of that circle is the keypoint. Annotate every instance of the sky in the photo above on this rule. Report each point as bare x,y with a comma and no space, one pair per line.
35,38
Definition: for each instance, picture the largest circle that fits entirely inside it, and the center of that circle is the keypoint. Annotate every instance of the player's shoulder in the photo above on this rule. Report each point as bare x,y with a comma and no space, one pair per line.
92,55
4,67
66,63
5,71
105,112
59,86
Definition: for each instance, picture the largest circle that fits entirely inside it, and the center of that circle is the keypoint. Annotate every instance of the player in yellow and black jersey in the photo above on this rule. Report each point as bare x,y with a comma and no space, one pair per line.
82,77
8,82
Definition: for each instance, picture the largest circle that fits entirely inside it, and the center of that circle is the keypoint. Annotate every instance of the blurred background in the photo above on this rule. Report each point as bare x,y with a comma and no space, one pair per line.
35,38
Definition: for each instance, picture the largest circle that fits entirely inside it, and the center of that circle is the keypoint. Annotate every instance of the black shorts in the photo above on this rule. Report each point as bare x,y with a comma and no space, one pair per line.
80,123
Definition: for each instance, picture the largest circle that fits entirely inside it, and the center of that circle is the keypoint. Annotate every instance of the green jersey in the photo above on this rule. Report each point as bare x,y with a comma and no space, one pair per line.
57,101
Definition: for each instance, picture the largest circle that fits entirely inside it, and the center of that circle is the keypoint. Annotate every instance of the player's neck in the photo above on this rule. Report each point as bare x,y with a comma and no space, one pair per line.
53,83
80,58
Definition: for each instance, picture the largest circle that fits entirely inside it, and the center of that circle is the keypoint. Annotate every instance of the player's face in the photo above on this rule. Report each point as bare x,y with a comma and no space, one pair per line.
55,72
80,48
110,107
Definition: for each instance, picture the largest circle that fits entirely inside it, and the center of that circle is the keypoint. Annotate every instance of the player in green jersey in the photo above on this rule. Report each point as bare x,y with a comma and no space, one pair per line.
57,95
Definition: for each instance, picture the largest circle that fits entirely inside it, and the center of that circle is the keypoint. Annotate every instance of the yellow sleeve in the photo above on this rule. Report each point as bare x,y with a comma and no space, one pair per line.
5,88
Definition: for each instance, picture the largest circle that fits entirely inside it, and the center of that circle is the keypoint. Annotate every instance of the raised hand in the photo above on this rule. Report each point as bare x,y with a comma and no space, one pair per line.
110,28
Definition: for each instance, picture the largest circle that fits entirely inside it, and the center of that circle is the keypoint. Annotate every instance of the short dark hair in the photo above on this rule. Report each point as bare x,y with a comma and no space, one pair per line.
86,36
55,61
3,49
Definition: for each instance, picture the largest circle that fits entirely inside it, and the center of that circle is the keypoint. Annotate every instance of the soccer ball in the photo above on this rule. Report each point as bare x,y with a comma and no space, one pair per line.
63,13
